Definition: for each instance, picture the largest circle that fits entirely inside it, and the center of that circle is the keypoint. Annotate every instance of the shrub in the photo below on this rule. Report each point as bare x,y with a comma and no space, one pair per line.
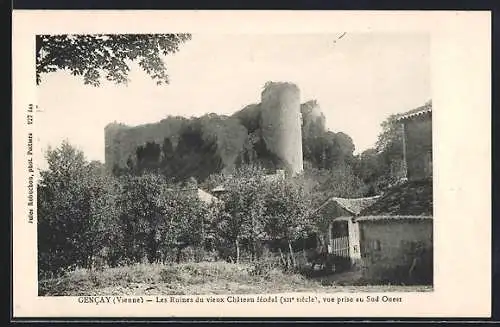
270,264
187,254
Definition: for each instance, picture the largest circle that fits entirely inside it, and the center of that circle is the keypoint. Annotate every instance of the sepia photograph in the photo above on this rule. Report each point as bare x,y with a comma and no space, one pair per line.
243,164
306,166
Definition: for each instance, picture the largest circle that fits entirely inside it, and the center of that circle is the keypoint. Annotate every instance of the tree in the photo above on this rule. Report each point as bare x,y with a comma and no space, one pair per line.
323,148
75,207
91,56
382,166
193,218
390,141
339,181
241,215
157,218
286,211
99,233
59,209
143,208
369,166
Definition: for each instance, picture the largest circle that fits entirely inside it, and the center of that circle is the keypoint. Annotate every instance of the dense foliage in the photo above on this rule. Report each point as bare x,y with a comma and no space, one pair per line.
76,211
382,166
151,210
90,219
91,56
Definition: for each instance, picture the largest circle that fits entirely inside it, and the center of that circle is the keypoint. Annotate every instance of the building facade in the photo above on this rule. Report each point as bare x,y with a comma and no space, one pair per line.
342,235
390,237
417,143
396,248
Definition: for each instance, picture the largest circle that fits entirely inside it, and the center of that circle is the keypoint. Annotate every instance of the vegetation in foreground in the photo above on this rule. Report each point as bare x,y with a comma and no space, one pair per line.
89,218
204,278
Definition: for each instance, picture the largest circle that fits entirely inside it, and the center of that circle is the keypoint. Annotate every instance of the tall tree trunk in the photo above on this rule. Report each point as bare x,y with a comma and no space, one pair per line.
253,240
282,257
304,249
254,250
178,254
202,241
90,259
237,250
292,256
199,256
90,256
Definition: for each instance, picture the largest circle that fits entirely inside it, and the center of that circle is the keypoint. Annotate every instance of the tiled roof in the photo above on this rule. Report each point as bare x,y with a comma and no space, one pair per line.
352,205
419,112
389,217
355,205
413,198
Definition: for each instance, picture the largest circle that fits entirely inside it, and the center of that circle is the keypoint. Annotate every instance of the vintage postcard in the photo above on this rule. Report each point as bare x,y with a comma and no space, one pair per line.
251,164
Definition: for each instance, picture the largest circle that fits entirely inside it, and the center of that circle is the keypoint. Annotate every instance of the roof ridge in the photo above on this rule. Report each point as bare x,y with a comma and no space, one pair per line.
355,207
423,110
360,198
392,217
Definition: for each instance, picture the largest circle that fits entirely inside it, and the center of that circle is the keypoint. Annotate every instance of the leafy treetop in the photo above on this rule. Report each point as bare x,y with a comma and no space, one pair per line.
92,56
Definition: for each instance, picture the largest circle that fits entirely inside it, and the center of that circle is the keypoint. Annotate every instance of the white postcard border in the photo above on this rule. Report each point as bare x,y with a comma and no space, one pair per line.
461,70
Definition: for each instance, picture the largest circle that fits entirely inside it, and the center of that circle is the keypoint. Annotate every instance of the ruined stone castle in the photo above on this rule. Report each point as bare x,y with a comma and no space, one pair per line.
279,120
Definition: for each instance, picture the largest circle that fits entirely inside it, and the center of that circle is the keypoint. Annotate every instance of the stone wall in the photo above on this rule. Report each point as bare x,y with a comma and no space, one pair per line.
121,141
389,249
418,140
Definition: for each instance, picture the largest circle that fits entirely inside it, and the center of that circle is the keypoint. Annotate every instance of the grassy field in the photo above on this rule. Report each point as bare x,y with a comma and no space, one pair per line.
201,279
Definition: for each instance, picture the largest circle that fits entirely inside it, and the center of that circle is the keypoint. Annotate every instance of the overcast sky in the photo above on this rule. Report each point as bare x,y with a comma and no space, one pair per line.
358,82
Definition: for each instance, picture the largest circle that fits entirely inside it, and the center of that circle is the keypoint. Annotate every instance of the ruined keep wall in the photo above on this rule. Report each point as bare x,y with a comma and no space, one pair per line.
281,124
278,117
121,141
113,149
313,120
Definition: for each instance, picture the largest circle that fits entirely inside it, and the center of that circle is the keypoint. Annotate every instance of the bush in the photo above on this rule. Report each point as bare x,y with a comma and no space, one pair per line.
187,254
270,264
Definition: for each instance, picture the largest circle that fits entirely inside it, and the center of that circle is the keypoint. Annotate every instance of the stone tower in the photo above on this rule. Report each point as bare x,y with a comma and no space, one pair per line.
281,124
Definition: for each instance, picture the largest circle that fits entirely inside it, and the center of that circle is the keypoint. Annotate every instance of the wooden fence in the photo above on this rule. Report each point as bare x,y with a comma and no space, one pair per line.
340,246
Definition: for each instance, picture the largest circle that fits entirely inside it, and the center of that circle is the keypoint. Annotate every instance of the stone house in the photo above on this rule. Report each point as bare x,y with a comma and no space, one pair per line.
390,237
417,142
342,237
396,234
